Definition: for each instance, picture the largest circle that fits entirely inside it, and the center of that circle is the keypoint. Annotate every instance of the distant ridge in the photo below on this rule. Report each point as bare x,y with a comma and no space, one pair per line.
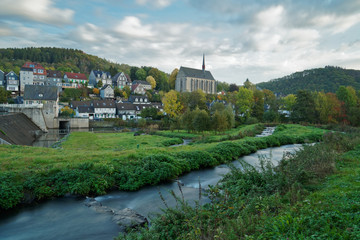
327,79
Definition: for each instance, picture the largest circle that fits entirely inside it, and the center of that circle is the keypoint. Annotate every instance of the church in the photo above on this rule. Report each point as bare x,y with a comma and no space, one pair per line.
190,79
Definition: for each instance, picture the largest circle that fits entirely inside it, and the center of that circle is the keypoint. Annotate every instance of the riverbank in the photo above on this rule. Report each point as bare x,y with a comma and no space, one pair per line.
31,174
313,193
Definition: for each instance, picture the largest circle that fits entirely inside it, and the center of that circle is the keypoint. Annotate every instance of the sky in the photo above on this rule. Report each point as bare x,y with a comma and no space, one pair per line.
257,40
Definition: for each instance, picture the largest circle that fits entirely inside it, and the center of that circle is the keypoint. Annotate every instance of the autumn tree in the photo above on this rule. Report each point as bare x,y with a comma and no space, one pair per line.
127,91
96,91
172,105
151,80
172,78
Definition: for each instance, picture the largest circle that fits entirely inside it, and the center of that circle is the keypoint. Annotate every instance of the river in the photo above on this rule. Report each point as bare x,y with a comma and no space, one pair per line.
68,218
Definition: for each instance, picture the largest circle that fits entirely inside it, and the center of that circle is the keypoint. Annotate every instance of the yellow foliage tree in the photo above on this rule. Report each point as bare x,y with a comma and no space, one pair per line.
96,91
152,81
172,78
172,106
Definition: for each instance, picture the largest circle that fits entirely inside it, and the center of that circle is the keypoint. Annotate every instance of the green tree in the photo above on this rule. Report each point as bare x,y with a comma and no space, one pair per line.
99,84
140,74
3,95
244,102
304,108
201,120
127,91
258,106
219,122
289,102
249,85
186,120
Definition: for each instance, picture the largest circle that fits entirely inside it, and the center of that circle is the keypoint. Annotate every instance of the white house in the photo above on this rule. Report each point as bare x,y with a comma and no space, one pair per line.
107,92
104,108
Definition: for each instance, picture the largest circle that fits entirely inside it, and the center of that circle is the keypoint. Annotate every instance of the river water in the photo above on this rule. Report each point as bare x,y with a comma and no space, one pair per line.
68,218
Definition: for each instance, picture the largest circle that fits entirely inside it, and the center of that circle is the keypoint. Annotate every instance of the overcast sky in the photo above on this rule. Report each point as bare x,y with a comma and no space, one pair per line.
259,40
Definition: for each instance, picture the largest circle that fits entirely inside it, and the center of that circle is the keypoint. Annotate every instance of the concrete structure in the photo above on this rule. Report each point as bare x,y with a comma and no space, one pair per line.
26,78
190,79
96,76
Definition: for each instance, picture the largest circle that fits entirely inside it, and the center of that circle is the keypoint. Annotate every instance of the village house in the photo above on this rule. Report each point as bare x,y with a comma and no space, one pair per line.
138,99
39,72
104,108
54,78
75,80
97,75
107,92
12,82
190,79
126,110
121,80
26,77
140,87
2,79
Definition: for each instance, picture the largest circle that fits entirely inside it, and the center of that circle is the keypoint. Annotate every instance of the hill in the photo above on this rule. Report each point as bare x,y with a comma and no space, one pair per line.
61,59
327,79
73,60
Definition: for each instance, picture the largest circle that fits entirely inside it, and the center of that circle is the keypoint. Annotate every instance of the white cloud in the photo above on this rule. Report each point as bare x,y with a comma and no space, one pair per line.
132,26
42,11
155,3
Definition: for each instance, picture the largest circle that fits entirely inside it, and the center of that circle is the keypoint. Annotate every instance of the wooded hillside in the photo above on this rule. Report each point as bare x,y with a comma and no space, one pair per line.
327,79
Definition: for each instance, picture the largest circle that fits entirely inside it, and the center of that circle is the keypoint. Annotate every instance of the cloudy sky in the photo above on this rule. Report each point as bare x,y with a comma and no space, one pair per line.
259,40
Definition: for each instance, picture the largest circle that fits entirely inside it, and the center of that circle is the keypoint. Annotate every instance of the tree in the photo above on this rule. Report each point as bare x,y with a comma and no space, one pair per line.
133,71
96,91
201,120
258,106
289,102
219,122
151,80
186,120
233,87
218,106
67,112
249,85
3,95
244,102
118,92
99,84
197,99
127,90
172,78
172,106
140,74
222,86
304,107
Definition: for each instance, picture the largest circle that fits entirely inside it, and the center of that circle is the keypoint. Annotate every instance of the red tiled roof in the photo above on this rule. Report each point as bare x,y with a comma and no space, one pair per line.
34,65
80,76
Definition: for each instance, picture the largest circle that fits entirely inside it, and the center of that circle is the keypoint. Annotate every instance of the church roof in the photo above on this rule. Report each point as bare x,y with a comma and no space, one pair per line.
196,73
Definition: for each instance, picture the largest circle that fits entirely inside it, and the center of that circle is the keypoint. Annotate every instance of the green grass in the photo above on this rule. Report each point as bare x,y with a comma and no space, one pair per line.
93,163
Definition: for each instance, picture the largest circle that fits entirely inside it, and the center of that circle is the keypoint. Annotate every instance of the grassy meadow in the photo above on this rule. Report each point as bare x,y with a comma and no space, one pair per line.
93,163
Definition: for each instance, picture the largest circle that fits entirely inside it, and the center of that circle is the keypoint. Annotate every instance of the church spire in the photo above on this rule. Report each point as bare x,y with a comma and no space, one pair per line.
203,66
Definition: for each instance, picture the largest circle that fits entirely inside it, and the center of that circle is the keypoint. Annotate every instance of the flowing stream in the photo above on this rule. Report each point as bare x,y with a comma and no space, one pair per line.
69,218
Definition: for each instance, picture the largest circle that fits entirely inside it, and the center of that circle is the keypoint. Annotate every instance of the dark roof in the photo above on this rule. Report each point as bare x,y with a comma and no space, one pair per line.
85,109
75,104
104,104
40,92
125,106
141,82
196,73
54,74
105,86
26,69
114,78
96,72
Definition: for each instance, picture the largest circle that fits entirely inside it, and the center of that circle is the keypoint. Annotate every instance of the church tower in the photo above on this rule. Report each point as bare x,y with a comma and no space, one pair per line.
203,66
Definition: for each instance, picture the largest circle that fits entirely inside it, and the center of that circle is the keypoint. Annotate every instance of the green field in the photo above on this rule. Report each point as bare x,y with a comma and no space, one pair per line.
93,163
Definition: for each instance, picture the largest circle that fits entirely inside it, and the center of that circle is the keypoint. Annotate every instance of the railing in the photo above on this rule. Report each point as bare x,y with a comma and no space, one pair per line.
6,105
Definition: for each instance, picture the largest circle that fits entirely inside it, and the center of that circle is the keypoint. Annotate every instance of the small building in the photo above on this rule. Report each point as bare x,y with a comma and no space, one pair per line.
26,77
107,92
97,75
190,79
54,78
104,108
85,112
48,96
75,79
126,110
140,87
12,82
121,80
